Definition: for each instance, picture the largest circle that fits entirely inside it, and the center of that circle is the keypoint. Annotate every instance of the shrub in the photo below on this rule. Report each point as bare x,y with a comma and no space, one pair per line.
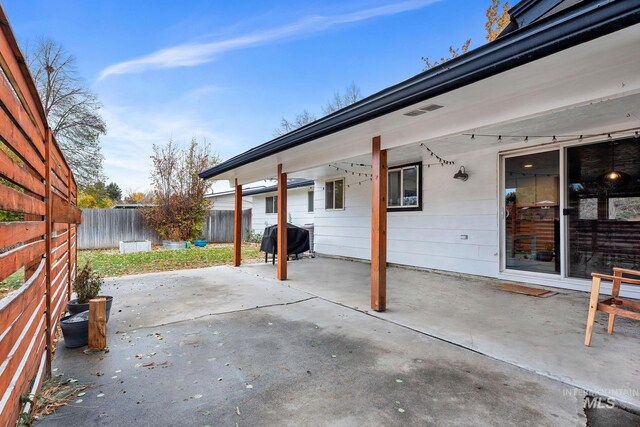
180,207
88,284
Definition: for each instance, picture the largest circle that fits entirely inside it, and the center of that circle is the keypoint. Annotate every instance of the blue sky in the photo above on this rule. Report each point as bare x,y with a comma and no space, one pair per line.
229,71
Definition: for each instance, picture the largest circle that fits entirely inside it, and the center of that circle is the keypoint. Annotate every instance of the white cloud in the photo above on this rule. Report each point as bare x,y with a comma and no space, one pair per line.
192,54
132,131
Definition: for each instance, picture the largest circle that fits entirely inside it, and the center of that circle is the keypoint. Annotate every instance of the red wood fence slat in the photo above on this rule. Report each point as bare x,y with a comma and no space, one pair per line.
20,232
15,201
14,172
45,241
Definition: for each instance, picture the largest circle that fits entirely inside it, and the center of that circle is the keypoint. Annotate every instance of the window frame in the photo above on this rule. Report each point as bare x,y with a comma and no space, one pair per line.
274,205
311,204
344,196
401,168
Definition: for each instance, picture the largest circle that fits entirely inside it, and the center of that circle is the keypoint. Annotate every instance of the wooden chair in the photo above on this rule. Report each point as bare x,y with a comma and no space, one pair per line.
611,305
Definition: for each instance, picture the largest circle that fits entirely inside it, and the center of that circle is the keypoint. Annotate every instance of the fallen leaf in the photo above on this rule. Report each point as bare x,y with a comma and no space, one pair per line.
148,364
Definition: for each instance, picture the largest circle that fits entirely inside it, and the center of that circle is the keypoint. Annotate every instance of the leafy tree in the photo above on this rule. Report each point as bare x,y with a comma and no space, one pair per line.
95,196
496,22
180,207
350,95
134,197
114,192
73,111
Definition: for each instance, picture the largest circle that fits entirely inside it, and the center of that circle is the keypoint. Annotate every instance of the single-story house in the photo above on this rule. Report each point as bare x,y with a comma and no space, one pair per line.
224,200
300,204
518,160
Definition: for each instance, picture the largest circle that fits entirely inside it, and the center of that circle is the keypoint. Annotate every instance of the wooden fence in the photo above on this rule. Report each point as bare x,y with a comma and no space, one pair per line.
105,228
37,233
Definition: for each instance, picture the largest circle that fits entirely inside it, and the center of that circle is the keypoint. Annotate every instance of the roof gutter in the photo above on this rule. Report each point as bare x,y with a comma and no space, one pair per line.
542,38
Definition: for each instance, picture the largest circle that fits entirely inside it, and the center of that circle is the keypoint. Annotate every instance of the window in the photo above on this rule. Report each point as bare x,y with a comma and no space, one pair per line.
334,194
271,204
404,188
310,201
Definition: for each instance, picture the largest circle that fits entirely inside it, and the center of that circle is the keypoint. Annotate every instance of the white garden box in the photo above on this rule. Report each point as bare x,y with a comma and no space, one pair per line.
133,246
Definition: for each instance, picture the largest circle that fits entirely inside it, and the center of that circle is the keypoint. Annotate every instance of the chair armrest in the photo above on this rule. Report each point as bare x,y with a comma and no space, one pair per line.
626,271
625,280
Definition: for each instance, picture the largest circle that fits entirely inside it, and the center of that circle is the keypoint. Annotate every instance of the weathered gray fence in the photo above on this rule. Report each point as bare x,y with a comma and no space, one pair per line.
105,228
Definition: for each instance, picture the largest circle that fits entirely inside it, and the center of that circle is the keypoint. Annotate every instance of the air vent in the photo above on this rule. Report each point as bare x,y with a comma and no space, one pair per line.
430,107
423,109
414,113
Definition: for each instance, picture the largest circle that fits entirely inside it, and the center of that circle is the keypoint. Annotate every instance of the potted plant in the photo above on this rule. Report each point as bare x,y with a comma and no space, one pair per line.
87,286
546,255
75,329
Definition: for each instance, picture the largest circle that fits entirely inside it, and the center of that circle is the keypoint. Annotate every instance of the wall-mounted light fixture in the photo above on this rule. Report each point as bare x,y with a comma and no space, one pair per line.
461,174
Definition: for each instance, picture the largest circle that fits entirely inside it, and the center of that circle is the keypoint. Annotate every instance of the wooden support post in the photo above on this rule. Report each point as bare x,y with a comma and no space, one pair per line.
98,323
378,227
282,224
48,246
237,227
69,272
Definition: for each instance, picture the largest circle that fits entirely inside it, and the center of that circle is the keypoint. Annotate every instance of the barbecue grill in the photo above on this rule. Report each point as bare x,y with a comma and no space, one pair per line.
297,241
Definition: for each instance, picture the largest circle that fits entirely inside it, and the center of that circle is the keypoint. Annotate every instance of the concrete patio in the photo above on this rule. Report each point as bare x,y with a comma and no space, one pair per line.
542,335
223,345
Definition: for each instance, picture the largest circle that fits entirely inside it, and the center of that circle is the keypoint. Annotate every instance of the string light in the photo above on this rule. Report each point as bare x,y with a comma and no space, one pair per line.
441,161
555,138
347,171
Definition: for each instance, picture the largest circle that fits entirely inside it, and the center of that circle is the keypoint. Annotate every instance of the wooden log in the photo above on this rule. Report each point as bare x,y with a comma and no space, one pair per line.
98,323
282,224
378,227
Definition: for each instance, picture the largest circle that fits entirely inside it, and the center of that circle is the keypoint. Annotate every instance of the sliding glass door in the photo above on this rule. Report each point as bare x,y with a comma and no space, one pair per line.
532,212
603,197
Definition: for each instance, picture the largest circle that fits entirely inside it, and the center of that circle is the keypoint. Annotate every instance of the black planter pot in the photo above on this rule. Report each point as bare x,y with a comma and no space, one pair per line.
76,333
74,308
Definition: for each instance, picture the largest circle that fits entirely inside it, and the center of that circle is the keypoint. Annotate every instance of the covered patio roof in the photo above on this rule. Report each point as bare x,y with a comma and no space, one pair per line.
546,76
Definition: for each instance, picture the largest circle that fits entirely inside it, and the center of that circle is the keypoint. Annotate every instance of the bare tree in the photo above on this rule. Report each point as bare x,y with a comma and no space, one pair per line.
73,111
350,95
300,120
453,53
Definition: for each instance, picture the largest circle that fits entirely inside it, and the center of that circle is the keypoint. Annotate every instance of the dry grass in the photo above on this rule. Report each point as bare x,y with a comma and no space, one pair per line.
54,394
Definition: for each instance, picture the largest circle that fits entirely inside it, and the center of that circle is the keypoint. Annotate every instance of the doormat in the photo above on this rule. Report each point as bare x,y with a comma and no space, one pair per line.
525,290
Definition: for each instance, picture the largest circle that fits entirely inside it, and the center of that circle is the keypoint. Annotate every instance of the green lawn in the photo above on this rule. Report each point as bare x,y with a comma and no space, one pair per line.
110,263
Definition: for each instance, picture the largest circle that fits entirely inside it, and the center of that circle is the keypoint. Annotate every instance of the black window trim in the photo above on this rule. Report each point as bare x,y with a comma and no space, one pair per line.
418,191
